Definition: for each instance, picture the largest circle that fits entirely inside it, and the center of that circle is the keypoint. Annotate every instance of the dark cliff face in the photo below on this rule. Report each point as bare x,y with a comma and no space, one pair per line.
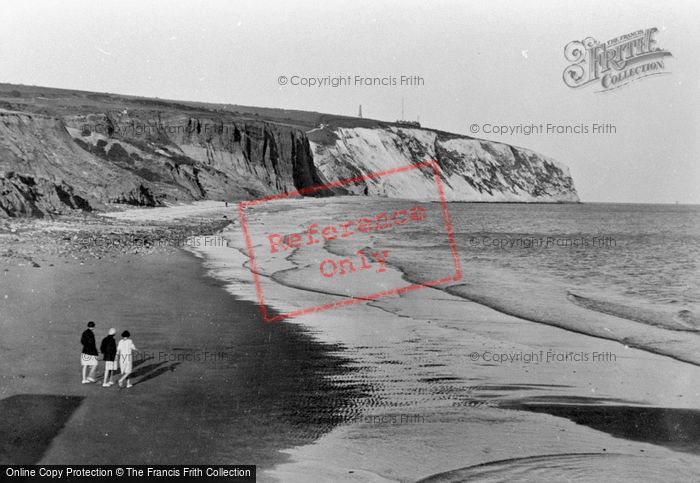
51,164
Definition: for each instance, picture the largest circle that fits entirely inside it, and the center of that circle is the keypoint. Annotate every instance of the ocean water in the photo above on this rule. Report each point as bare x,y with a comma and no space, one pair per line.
645,252
618,271
643,257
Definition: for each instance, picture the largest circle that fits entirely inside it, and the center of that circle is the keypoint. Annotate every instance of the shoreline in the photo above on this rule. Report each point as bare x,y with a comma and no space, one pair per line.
359,366
504,411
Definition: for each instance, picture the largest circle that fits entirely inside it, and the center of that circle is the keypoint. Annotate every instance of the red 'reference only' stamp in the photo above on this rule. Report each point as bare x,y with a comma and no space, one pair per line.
365,260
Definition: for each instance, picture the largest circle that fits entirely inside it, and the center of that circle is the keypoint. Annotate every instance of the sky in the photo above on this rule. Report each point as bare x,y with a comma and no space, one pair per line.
483,63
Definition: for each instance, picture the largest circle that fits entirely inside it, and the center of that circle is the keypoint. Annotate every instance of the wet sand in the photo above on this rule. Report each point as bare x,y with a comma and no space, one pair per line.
441,406
213,384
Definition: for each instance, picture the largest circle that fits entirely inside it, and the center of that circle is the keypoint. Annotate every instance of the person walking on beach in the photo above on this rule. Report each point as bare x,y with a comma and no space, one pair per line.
125,356
108,347
88,356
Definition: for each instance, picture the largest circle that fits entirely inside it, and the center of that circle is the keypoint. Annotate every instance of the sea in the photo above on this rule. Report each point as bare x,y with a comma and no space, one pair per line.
635,262
626,272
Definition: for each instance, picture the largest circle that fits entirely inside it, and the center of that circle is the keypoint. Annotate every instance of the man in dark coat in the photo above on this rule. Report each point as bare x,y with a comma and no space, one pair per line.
108,347
88,356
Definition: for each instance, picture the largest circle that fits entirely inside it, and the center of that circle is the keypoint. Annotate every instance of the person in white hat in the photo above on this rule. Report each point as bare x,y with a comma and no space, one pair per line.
108,347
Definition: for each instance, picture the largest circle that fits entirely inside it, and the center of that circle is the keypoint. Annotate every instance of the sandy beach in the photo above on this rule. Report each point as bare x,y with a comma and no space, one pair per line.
380,391
212,383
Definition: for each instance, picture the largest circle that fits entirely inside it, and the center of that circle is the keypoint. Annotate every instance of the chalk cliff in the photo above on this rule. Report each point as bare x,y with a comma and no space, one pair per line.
470,169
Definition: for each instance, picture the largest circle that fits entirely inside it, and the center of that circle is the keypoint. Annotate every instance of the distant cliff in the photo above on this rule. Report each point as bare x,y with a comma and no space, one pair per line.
66,150
471,169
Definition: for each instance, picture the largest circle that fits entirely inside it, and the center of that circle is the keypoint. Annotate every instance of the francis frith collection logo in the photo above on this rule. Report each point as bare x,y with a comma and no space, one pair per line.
614,63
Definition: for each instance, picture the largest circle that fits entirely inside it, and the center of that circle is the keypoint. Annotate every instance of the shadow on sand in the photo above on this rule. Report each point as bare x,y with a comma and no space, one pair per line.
151,371
29,422
145,372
